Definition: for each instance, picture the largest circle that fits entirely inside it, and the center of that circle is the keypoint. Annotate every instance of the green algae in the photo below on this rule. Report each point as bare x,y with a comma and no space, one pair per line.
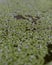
19,46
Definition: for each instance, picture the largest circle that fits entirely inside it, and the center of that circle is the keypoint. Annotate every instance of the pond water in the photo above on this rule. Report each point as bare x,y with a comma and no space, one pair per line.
3,1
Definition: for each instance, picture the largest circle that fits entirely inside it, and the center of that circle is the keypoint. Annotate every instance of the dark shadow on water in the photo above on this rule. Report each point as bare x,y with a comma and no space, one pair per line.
48,57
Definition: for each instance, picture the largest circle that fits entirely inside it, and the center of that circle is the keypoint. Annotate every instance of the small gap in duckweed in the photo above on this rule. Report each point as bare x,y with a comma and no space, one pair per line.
27,17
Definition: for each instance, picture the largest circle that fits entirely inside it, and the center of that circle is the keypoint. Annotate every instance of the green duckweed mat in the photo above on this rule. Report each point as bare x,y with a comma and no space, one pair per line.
25,32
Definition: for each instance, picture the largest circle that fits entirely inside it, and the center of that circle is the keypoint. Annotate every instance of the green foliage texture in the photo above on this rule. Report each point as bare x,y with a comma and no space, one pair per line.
19,46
